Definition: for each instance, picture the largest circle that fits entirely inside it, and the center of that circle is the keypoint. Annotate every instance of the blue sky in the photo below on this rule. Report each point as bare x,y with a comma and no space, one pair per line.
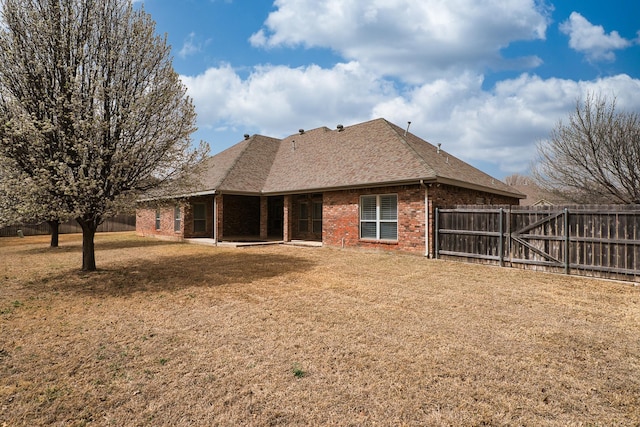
488,79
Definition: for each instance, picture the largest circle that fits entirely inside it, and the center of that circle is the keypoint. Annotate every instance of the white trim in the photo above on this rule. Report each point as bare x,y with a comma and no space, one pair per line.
177,218
378,221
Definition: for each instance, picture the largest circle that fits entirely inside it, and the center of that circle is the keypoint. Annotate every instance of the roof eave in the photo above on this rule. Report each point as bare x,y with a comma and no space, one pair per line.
415,181
350,187
478,187
178,196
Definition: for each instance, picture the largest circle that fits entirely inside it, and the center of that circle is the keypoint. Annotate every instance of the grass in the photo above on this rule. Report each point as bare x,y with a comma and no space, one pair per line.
175,334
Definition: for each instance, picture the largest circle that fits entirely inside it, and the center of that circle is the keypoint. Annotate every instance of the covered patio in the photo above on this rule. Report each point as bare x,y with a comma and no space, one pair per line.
249,220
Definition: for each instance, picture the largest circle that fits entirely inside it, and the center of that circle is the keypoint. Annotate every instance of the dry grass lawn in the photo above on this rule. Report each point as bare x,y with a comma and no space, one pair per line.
175,334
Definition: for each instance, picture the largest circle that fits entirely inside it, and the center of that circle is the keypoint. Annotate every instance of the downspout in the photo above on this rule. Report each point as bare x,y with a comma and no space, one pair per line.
426,218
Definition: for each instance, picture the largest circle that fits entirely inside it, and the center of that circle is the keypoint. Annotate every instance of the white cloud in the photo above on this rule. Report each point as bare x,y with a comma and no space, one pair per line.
436,50
413,40
499,127
278,100
190,46
591,39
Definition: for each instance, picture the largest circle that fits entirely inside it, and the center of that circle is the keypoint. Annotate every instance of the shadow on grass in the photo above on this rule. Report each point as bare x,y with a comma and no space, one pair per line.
75,245
173,273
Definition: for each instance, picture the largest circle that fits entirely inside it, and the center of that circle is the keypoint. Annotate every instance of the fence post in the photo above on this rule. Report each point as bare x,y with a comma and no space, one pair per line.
436,238
566,241
500,241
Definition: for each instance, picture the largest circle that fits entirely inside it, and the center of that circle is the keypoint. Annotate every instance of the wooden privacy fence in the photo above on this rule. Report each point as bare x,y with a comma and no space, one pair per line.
116,223
601,241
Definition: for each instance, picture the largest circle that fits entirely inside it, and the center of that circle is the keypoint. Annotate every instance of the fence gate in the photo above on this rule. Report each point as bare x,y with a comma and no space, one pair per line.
601,241
539,238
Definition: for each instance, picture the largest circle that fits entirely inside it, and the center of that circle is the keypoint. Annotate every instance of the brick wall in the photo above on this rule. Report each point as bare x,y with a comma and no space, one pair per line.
341,219
146,222
188,217
341,216
287,223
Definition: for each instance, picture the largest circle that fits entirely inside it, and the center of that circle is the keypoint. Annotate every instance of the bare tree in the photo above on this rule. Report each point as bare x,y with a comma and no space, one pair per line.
517,179
595,157
91,109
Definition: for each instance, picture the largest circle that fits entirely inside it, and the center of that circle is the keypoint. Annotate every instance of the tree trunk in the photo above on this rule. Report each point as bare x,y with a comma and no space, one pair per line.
89,228
54,228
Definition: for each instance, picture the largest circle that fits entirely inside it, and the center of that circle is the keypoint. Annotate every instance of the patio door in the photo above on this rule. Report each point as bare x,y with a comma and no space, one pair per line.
308,208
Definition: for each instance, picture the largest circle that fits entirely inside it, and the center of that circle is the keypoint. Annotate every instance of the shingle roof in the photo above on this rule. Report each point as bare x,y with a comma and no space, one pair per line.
368,154
242,168
534,194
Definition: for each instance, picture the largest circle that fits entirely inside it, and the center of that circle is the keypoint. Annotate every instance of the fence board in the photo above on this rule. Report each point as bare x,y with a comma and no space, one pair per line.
601,241
113,224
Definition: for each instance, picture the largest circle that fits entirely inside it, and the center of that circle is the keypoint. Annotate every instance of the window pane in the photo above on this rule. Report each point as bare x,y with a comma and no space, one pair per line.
368,230
389,230
304,211
199,218
389,207
157,219
317,210
176,219
199,211
199,226
368,208
303,218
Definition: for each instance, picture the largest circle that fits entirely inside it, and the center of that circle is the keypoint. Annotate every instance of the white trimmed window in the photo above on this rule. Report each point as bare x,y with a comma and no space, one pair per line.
177,219
379,217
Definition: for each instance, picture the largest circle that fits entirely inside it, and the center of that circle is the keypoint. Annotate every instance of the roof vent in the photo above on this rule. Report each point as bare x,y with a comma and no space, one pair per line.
439,145
340,128
246,136
301,131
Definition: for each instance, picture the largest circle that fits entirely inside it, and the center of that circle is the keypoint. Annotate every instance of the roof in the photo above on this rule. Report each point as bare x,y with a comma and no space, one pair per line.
536,196
242,168
373,153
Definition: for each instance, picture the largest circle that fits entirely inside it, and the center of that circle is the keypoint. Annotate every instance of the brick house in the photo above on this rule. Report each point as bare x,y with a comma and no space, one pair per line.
370,185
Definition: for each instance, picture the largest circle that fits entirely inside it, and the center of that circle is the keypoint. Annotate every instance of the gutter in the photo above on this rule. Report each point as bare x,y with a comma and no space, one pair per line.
178,196
472,186
414,181
348,187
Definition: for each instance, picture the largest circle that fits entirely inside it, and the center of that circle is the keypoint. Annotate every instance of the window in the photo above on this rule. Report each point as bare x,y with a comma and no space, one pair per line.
379,217
303,218
157,219
199,218
316,216
177,219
